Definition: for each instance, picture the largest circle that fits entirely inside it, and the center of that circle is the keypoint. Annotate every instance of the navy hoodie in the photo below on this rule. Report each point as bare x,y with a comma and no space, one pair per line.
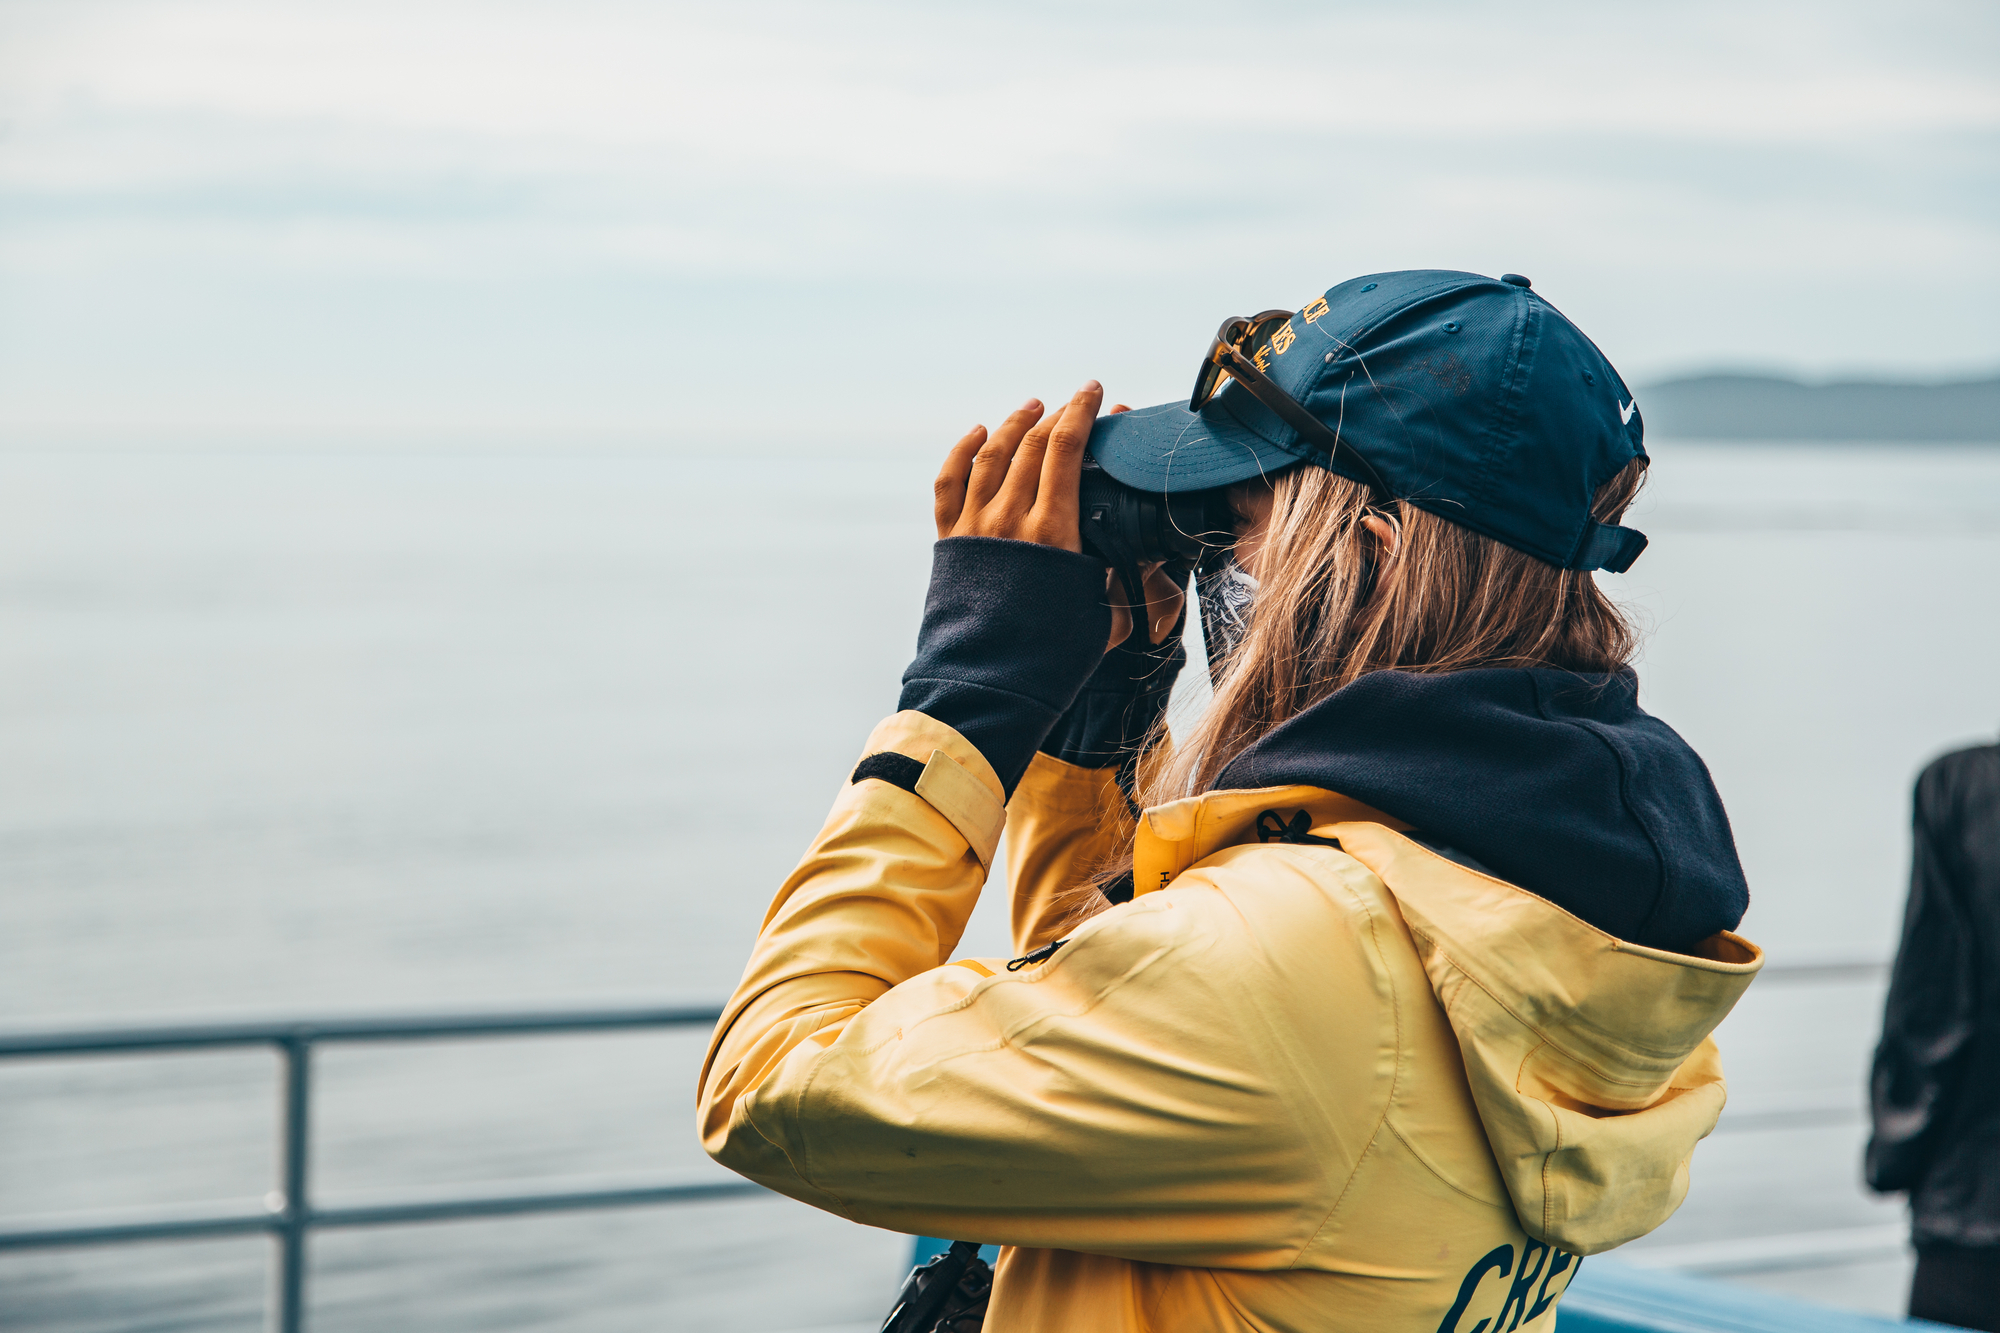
1556,782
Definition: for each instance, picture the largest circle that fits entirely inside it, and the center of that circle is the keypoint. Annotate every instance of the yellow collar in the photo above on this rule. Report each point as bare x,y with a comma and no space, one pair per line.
1174,836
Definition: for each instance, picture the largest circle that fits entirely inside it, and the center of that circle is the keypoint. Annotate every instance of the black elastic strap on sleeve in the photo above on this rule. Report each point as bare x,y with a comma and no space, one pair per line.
898,770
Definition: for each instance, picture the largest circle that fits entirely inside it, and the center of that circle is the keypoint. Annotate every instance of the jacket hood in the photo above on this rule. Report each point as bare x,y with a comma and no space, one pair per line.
1558,782
1589,1058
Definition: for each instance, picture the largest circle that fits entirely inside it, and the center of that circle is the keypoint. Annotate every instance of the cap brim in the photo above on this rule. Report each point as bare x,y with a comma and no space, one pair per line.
1168,448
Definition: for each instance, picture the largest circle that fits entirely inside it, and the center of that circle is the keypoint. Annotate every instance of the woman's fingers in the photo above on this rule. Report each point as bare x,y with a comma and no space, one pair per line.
990,460
1019,481
1028,479
1164,599
1024,473
1062,467
948,492
1121,614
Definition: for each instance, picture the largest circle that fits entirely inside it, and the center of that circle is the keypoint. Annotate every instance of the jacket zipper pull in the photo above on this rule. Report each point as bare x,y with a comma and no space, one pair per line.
1041,955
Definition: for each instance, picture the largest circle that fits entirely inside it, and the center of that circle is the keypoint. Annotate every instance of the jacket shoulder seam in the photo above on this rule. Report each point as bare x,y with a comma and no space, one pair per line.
1425,1160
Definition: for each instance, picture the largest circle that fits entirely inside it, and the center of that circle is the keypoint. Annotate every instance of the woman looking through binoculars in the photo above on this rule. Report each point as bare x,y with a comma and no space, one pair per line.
1378,997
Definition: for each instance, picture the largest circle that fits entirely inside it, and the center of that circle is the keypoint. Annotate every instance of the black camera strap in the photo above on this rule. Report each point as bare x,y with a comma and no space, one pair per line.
946,1295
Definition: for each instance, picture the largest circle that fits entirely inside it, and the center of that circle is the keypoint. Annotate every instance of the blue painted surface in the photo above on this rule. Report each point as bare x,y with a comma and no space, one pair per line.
928,1247
1609,1297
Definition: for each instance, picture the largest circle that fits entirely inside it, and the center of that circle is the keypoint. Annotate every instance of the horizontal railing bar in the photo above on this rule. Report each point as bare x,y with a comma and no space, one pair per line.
515,1205
423,1027
251,1220
1803,1118
1823,1106
248,1220
1835,970
433,1027
1767,1254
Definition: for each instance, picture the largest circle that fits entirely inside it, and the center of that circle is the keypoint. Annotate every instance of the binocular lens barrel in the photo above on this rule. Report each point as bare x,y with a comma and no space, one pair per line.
1126,527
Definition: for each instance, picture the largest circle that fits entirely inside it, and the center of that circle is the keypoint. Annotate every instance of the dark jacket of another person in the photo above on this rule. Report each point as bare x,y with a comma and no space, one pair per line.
1935,1090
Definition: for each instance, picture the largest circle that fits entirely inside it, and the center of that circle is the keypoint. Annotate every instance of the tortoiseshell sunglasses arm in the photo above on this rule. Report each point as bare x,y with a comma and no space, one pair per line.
1225,357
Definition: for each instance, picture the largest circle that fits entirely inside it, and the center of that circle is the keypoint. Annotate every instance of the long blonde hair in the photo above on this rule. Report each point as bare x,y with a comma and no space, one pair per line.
1330,609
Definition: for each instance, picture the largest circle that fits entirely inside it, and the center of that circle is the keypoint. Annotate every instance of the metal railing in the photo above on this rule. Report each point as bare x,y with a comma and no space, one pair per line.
289,1215
1824,1106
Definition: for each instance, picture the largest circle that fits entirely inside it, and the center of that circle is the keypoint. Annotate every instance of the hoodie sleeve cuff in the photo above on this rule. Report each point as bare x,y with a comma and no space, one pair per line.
1011,630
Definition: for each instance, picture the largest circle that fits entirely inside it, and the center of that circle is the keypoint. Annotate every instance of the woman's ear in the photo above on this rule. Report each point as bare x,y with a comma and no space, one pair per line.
1384,533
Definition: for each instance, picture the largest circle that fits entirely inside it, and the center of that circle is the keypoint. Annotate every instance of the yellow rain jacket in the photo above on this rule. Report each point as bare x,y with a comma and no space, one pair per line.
1287,1087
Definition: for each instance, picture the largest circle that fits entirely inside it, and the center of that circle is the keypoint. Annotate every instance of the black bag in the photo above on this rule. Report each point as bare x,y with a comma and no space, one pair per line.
946,1295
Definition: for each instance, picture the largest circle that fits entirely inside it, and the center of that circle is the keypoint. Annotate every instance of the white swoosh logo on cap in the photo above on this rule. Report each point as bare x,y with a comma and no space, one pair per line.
1625,411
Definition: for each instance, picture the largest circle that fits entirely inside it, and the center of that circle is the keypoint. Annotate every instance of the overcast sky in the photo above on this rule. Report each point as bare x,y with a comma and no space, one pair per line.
585,220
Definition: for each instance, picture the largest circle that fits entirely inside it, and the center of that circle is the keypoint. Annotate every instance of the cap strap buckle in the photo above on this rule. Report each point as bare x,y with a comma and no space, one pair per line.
1608,546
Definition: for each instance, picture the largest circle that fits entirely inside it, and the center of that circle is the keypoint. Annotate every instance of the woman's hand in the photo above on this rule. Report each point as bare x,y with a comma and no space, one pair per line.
1021,481
1164,599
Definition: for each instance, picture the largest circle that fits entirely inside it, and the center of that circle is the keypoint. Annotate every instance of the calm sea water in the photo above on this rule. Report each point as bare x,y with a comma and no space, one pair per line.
288,733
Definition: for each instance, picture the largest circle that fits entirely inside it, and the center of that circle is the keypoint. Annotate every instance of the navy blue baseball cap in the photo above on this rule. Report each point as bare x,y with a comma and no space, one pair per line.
1473,397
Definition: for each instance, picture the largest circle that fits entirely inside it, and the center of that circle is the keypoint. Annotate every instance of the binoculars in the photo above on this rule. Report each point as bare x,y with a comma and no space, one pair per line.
1127,528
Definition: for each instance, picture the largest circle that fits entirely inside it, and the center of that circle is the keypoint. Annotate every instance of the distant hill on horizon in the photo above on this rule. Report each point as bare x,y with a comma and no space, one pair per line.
1770,407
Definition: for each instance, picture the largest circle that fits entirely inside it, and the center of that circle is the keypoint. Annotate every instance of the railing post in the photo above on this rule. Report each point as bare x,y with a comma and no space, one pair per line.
296,1215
